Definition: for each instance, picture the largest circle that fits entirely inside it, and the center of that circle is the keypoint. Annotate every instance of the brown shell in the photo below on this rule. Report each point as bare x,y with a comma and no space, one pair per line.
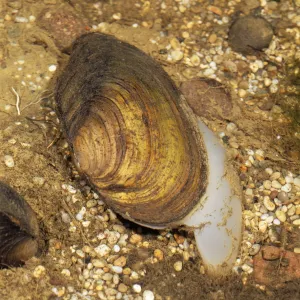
18,228
132,133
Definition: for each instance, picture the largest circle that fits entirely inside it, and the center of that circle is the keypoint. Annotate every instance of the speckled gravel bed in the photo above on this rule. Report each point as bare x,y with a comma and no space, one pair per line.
195,39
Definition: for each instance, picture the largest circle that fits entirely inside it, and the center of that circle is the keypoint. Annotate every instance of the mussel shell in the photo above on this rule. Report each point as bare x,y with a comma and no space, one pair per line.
18,228
132,134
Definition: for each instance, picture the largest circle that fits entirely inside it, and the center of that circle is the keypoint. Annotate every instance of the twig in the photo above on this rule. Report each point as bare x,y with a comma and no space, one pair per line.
18,101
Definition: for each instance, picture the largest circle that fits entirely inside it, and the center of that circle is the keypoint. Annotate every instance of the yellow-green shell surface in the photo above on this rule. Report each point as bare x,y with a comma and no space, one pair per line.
132,133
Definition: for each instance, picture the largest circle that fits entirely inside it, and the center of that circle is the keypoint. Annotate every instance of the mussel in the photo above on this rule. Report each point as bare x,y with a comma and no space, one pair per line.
19,228
138,143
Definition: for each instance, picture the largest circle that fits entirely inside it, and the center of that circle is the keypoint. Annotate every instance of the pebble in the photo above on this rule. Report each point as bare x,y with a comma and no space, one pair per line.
52,68
9,161
21,19
254,249
297,250
268,203
296,222
275,175
121,261
99,263
291,211
66,272
276,222
178,266
117,269
137,288
297,181
267,184
262,225
276,184
176,55
283,197
135,239
158,254
102,250
280,215
122,288
286,188
39,271
148,295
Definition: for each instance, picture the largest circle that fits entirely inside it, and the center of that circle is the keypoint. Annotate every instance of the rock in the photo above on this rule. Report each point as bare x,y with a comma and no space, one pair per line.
208,98
249,34
62,24
148,295
268,271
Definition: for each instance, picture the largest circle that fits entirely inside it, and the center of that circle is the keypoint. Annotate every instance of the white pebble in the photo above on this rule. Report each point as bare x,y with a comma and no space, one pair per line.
276,222
21,19
137,288
286,188
117,269
177,55
66,272
116,248
52,68
148,295
9,161
102,250
208,72
231,127
32,18
296,222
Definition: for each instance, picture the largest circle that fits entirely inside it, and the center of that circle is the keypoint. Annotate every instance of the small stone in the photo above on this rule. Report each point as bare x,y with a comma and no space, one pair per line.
52,68
242,93
176,55
273,195
280,215
107,277
249,34
135,239
297,181
9,161
121,261
254,249
102,250
178,266
286,188
117,269
66,272
148,295
267,184
283,197
296,222
268,203
297,250
39,271
122,288
276,184
137,288
275,176
276,222
38,180
158,254
99,263
231,127
212,38
91,203
19,19
291,211
216,10
65,217
195,60
262,225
